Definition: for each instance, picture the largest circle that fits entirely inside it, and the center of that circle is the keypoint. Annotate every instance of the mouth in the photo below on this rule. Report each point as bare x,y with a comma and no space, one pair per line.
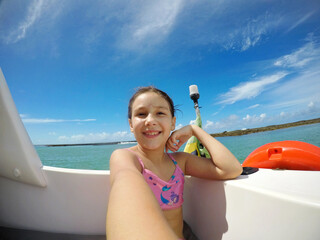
151,134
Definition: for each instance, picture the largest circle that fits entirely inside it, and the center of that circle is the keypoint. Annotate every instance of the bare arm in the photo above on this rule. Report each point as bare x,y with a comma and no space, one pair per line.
223,165
133,212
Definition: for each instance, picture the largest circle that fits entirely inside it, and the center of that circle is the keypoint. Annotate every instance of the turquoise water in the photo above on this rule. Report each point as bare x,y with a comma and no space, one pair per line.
78,157
97,157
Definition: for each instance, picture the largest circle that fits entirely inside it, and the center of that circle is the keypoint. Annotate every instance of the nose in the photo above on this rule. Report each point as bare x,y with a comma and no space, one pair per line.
150,120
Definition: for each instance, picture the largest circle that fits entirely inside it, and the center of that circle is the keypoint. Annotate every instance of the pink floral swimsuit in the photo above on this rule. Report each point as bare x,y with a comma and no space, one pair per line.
169,194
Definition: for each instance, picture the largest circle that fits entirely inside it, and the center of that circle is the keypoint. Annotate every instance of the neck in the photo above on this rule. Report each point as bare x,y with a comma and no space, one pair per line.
156,156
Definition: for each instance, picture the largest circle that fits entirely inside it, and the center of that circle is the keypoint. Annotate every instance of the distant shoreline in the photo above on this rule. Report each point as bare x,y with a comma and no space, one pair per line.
264,129
86,144
222,134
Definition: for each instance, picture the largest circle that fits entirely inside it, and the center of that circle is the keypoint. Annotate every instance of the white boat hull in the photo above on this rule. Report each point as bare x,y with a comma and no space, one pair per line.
265,205
75,202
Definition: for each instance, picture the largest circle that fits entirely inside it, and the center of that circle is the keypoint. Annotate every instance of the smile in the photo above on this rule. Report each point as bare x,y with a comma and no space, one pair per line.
152,133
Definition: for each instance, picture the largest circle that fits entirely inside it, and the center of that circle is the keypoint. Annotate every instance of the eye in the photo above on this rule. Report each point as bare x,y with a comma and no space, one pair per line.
141,114
161,113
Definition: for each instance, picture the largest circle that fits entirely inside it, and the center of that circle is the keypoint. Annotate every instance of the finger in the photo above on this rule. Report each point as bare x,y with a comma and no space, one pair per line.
171,143
172,138
171,147
175,142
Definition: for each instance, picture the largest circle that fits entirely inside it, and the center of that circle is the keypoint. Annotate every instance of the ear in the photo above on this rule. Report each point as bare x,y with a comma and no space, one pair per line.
173,123
130,124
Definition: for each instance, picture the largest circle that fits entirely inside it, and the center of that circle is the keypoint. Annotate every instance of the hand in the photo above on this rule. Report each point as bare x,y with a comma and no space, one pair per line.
178,138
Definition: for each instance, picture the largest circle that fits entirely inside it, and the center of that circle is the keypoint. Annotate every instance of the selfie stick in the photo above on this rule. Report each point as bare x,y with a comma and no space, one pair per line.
194,95
193,145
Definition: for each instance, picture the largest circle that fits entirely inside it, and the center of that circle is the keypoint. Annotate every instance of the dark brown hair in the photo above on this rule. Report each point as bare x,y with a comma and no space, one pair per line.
142,90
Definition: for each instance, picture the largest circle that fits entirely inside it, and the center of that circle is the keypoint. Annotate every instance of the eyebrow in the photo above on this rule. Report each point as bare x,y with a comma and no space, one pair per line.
160,107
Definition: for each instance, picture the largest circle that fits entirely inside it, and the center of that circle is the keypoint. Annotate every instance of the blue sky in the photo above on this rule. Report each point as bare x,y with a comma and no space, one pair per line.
72,65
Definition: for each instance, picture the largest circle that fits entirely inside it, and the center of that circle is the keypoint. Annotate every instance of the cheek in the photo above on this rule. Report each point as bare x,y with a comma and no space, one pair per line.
135,123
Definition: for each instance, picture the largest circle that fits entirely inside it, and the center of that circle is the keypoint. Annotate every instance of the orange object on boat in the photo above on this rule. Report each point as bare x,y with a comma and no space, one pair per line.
291,155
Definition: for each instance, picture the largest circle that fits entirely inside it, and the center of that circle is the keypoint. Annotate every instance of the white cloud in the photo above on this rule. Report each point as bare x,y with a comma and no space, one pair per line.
234,122
50,120
141,25
249,90
282,114
151,25
263,115
77,138
34,12
308,111
254,119
63,138
300,21
298,91
249,25
97,137
254,106
23,115
231,122
253,33
296,98
311,104
208,125
192,122
301,57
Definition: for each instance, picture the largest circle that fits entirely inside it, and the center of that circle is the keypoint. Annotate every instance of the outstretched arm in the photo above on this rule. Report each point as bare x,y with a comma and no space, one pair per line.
223,165
133,212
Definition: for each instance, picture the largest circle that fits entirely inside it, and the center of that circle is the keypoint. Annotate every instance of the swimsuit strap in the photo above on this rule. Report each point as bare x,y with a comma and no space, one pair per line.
171,157
140,161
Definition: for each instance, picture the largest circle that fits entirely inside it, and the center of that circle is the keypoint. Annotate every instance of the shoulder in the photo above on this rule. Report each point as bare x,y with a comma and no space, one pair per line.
195,166
181,159
181,156
123,159
120,152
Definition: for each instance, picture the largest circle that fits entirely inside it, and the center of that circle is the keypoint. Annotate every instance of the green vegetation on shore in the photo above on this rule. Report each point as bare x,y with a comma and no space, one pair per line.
223,134
263,129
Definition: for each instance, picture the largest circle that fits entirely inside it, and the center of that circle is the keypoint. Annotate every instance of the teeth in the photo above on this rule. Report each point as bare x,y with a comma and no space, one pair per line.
152,133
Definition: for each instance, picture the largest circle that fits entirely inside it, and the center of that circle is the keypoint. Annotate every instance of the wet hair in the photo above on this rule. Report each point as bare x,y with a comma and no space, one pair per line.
142,90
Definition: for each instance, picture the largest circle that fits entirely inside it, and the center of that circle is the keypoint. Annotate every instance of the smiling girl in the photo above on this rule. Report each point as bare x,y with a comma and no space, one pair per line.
147,182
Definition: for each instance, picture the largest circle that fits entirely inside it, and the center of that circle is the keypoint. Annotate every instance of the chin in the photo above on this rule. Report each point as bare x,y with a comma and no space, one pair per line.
152,146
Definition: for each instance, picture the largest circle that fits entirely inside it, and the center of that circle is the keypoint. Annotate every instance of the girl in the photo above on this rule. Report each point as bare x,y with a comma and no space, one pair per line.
146,182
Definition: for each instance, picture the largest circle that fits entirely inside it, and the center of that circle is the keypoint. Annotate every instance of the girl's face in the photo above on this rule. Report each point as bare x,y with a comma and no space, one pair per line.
151,120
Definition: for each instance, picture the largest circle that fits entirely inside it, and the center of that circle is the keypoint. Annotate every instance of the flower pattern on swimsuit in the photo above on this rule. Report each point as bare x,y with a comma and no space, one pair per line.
169,194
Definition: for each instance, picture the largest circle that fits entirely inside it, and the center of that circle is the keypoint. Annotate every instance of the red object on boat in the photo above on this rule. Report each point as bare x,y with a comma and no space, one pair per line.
291,155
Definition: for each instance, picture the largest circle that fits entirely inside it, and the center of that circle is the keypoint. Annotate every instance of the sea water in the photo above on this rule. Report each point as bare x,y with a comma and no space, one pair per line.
96,157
